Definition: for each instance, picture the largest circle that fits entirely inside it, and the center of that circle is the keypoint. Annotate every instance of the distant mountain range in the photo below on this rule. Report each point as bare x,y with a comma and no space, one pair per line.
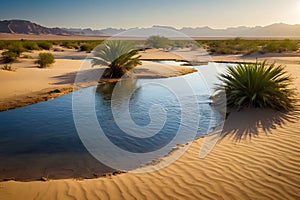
274,30
27,27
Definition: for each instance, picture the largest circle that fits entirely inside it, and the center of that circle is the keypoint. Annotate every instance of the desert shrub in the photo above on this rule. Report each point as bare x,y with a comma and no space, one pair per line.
44,45
45,60
17,48
258,85
281,46
86,47
8,67
30,45
9,56
233,46
89,46
242,46
2,45
27,56
70,44
179,44
56,42
5,44
157,41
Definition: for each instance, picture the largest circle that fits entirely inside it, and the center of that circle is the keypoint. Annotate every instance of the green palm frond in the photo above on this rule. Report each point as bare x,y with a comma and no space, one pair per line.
258,85
118,56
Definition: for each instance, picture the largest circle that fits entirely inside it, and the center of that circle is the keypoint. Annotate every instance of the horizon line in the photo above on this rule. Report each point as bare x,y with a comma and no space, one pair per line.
170,26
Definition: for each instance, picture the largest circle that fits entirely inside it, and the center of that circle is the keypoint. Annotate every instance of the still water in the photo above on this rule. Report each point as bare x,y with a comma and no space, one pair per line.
41,140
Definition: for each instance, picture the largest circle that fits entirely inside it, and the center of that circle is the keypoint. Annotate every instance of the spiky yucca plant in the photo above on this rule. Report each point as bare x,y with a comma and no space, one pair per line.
258,85
118,56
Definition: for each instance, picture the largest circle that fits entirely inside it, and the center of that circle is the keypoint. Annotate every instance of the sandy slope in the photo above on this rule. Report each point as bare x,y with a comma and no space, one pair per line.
263,167
29,84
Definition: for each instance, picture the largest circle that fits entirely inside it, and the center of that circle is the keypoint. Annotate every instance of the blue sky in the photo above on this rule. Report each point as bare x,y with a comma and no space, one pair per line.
137,13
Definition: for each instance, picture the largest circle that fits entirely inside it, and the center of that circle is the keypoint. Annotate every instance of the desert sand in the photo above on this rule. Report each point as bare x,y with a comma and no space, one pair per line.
258,158
30,84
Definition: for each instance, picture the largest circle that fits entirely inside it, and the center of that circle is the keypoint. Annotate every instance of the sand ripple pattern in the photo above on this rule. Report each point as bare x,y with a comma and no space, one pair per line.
265,167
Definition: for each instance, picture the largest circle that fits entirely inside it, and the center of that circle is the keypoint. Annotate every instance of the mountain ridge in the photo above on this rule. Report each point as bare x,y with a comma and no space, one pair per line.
273,30
28,27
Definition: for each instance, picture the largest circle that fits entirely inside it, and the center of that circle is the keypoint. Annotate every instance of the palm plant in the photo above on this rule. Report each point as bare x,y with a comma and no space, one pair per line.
118,56
258,85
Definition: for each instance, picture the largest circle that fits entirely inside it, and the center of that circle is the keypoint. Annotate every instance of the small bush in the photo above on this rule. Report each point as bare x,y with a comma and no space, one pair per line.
45,60
70,45
27,56
258,85
9,56
29,45
281,46
16,48
44,45
8,67
157,41
2,45
86,47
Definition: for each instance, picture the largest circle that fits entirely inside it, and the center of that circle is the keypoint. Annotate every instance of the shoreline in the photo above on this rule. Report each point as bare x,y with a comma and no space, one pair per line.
63,74
54,92
65,86
230,165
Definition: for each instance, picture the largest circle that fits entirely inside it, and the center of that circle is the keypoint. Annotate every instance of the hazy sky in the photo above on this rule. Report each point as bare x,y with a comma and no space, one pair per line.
138,13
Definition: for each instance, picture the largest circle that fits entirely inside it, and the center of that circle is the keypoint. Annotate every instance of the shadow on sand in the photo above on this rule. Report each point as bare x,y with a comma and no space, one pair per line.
89,75
248,123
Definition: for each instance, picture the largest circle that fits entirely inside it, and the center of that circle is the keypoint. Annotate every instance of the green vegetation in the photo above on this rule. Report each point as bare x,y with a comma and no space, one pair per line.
30,45
242,46
88,46
230,46
9,56
119,56
258,85
157,41
44,45
70,44
281,46
26,56
16,48
45,60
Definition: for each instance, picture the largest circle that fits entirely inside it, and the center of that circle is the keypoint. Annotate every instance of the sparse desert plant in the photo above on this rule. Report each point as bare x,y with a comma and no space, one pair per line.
70,44
179,44
118,56
157,41
2,45
30,45
27,56
8,67
16,48
9,56
281,46
88,47
45,60
44,45
258,85
245,47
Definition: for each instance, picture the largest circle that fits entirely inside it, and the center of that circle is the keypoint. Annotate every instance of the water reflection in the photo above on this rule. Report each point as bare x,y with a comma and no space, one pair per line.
105,89
114,100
